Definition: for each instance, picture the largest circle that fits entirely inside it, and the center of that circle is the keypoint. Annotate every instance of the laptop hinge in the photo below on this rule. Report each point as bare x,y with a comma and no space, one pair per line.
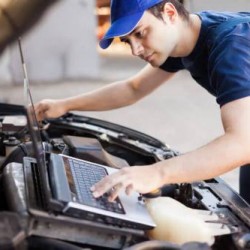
50,205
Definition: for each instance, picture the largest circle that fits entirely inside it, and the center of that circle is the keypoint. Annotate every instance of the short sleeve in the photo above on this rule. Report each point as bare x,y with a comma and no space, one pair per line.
230,69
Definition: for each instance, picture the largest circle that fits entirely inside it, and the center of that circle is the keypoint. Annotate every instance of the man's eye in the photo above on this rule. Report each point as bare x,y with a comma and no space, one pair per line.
140,34
126,41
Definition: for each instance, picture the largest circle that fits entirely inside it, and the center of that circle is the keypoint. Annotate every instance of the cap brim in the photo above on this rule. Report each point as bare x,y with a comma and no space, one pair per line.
120,27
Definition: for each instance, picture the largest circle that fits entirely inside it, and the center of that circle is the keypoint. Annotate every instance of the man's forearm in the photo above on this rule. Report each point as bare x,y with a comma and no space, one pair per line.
220,156
112,96
119,94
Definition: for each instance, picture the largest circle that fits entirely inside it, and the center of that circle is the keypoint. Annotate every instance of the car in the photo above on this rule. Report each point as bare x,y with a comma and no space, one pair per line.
22,228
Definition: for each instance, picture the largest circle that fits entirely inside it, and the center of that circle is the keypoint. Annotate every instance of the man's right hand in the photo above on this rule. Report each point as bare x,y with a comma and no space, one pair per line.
49,108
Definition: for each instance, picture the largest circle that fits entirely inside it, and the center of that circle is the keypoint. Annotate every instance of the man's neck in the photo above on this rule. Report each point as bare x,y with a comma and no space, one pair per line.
189,35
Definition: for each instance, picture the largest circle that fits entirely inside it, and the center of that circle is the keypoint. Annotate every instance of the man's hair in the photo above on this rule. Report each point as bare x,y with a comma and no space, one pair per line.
157,9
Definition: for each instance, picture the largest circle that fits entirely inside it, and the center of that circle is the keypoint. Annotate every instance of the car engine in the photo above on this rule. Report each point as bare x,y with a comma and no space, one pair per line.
112,145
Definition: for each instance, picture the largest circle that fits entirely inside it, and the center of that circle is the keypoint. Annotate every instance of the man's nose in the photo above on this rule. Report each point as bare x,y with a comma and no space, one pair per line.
137,48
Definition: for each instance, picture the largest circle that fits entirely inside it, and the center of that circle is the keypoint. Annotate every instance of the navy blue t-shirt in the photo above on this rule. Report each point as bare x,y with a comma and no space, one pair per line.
220,64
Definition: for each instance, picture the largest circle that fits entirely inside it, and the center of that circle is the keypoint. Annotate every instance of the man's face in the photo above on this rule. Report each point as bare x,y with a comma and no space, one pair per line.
153,40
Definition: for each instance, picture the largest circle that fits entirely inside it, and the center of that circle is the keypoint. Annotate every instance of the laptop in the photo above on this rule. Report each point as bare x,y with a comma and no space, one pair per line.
63,183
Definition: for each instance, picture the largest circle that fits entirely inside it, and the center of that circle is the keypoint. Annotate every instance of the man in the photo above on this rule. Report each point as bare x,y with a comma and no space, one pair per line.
215,50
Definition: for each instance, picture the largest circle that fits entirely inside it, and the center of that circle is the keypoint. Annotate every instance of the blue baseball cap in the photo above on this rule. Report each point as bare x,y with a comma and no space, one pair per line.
125,15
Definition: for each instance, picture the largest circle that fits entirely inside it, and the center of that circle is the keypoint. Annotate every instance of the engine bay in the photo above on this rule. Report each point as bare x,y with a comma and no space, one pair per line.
109,144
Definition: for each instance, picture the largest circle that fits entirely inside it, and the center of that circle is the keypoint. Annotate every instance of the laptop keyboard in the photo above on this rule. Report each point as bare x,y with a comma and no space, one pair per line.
85,176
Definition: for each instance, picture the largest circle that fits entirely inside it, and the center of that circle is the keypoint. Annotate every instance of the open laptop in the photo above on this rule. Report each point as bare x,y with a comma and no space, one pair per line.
63,184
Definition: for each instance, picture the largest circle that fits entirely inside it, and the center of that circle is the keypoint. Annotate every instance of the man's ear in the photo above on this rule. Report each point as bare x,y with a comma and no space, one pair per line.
169,12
